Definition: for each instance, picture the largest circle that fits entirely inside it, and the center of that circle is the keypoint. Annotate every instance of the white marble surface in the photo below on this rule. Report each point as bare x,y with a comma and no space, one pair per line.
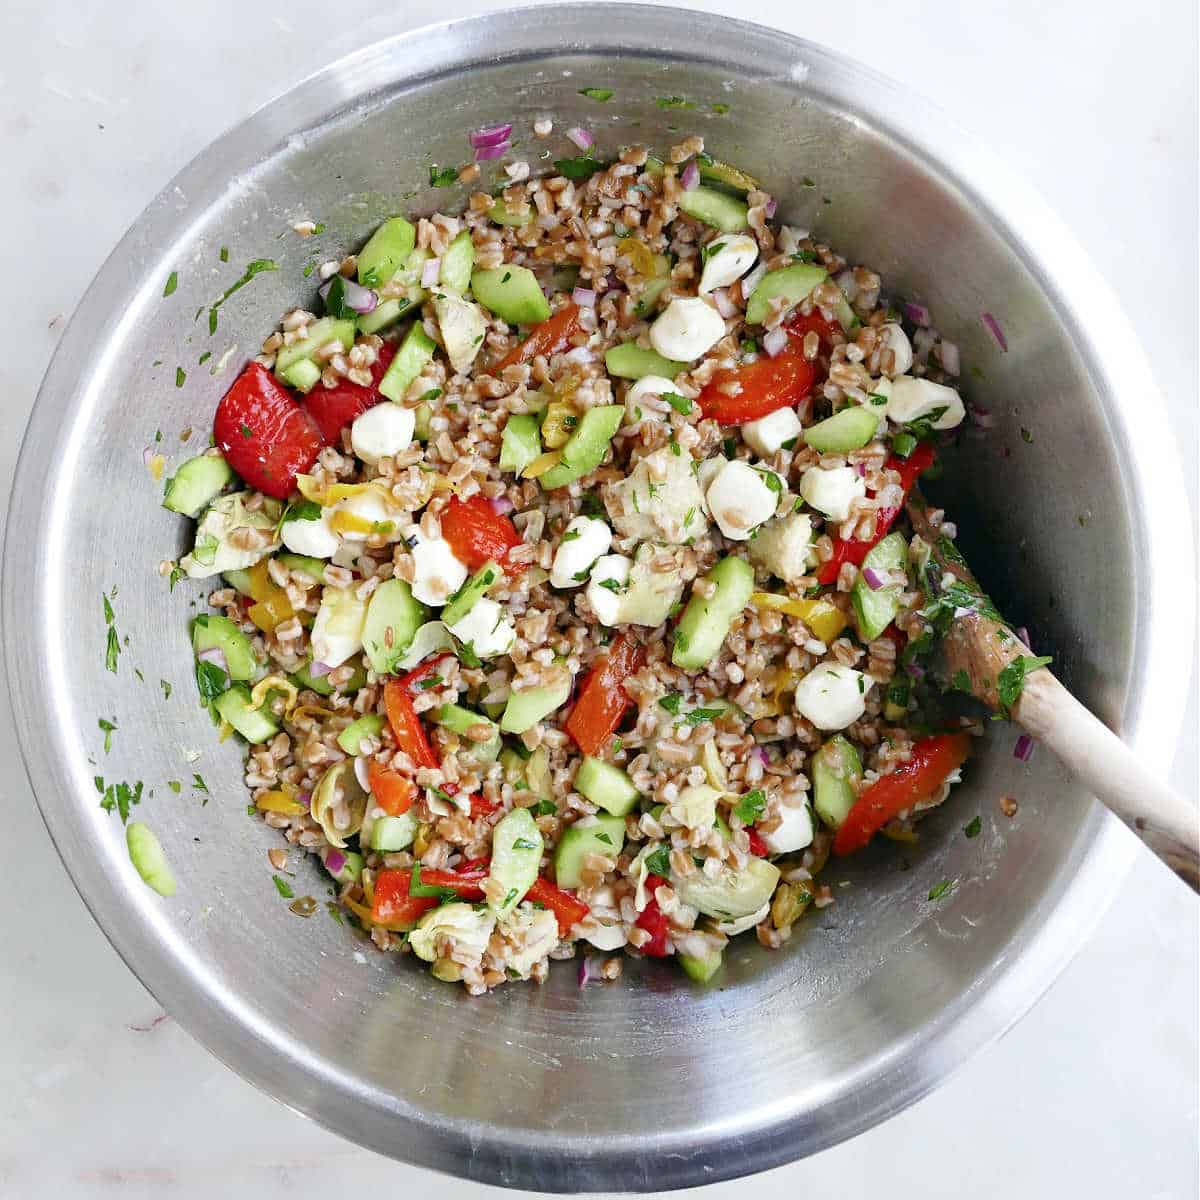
1094,1094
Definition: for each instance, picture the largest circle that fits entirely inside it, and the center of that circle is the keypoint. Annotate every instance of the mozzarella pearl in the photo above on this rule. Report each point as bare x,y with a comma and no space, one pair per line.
584,541
382,431
832,492
832,696
767,435
740,499
737,253
437,574
687,329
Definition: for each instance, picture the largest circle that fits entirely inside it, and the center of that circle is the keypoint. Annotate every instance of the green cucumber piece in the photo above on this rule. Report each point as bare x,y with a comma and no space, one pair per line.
718,209
701,968
386,251
312,683
606,785
846,316
520,443
500,214
794,283
631,361
517,847
415,351
731,894
512,293
422,430
586,447
256,725
351,869
393,618
605,836
366,726
314,568
387,835
146,854
387,313
327,329
239,580
525,709
196,484
705,622
464,599
303,375
457,261
458,720
850,429
384,315
723,174
213,632
836,769
876,608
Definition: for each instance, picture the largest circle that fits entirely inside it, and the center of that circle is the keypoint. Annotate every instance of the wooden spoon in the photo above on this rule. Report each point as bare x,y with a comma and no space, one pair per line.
978,646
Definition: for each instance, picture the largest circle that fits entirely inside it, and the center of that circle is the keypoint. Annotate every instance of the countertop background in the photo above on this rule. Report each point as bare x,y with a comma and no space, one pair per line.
1093,1094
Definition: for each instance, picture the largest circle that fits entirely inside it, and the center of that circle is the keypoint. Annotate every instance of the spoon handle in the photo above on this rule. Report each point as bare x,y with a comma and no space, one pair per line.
1117,777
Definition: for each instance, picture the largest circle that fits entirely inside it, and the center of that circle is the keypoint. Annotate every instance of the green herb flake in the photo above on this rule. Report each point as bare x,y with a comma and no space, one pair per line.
108,609
112,650
595,93
773,482
431,681
699,715
283,887
224,255
720,108
107,728
524,844
442,177
545,808
671,702
751,806
172,284
942,889
601,837
570,535
673,102
659,863
729,446
121,798
613,585
177,573
256,267
1026,436
198,782
319,229
681,404
211,680
973,827
175,786
432,394
1011,681
582,166
180,377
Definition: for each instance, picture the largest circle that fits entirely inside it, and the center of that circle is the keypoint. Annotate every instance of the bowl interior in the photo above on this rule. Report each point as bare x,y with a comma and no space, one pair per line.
650,1081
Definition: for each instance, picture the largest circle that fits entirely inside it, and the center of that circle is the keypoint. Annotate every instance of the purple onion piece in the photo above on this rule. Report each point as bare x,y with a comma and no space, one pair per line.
725,306
430,272
691,176
993,327
354,295
918,314
915,670
319,670
873,578
498,151
770,207
489,135
335,860
214,654
948,353
580,137
584,297
1023,750
502,505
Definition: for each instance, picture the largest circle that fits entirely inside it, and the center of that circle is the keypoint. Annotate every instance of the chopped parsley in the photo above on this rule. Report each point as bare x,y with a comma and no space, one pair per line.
942,889
720,108
442,177
600,837
417,888
876,399
431,681
301,510
570,535
172,283
751,806
973,827
211,680
582,166
771,480
545,808
283,887
681,404
180,377
699,715
175,786
1026,436
613,585
109,615
121,797
224,255
595,93
199,784
671,702
673,102
245,430
659,863
177,573
112,650
107,728
1011,681
524,844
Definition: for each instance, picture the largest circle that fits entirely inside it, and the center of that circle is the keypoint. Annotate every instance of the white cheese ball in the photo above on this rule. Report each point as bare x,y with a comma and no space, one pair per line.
486,628
730,256
832,492
832,696
313,538
767,435
371,506
740,499
688,328
437,574
606,603
892,337
337,631
708,470
584,540
795,830
910,399
382,431
642,389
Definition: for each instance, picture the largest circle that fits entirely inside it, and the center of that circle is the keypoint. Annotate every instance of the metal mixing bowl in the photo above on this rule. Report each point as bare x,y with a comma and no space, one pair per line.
652,1082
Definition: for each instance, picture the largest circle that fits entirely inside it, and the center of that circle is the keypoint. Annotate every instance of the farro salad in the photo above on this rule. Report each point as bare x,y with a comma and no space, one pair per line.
567,599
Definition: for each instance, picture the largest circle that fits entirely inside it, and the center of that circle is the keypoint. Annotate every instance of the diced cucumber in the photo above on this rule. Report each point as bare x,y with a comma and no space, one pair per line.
303,375
512,293
213,632
606,785
327,329
654,286
526,708
517,847
146,854
846,316
387,835
458,720
464,599
256,725
387,313
701,968
722,211
520,443
731,894
463,328
706,621
850,429
606,835
836,769
304,680
586,447
415,351
422,430
386,251
457,261
314,568
384,315
500,214
724,174
351,869
628,360
876,608
393,618
794,283
196,484
239,580
366,726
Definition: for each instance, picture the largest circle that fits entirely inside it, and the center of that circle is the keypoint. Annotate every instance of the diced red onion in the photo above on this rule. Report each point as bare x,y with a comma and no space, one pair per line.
580,137
770,207
922,344
214,654
918,314
430,272
360,772
1023,634
502,505
335,860
691,176
725,306
775,342
584,297
994,329
305,798
354,295
862,470
589,969
981,416
761,754
319,669
948,353
1023,750
490,135
915,670
147,455
873,578
483,153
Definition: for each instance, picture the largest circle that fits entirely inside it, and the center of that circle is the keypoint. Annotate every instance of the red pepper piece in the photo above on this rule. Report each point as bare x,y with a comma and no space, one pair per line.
393,906
549,337
332,409
764,386
477,533
602,698
568,910
406,725
652,920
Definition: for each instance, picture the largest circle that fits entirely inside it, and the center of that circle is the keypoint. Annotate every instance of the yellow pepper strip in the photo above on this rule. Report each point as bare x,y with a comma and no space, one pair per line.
310,489
824,618
156,464
639,254
314,712
280,802
224,732
542,464
560,421
900,834
275,683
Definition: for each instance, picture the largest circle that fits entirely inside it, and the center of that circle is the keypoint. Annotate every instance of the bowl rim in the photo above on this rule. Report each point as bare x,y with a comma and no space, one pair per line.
1153,482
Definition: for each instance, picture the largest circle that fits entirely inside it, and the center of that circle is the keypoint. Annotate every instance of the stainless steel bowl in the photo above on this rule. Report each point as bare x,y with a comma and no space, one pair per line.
652,1082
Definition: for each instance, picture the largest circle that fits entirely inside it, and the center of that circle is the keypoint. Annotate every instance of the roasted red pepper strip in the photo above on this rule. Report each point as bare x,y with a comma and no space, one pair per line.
853,550
393,906
265,436
549,337
757,845
477,533
932,760
651,919
422,672
406,725
482,807
830,332
765,386
393,792
568,910
602,699
332,409
466,883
